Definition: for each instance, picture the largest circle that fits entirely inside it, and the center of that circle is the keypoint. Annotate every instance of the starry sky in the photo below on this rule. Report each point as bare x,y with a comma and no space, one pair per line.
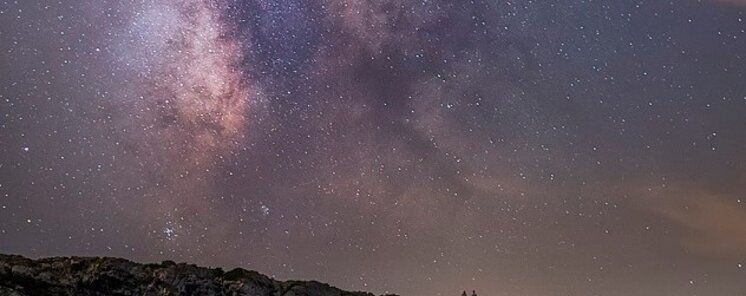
425,147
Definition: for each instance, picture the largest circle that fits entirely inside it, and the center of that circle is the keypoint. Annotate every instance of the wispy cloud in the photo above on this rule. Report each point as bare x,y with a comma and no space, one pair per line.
708,223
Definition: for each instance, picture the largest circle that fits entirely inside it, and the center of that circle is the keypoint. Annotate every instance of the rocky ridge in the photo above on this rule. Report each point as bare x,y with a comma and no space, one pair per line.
98,276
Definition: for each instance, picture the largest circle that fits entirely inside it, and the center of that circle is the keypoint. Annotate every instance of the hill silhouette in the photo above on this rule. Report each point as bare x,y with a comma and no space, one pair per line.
98,276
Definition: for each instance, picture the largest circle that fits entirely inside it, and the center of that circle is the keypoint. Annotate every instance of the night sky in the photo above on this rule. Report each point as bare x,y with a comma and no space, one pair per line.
424,147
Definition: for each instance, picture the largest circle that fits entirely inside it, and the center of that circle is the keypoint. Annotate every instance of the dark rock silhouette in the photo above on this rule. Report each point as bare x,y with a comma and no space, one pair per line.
98,276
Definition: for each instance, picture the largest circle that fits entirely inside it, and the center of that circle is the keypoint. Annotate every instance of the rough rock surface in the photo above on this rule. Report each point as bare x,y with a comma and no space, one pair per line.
89,276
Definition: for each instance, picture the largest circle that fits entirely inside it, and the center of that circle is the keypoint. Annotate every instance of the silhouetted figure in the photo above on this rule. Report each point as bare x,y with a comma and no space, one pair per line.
473,293
463,293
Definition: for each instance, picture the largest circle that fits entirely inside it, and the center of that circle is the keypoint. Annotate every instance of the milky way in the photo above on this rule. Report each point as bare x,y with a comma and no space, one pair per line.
416,147
187,106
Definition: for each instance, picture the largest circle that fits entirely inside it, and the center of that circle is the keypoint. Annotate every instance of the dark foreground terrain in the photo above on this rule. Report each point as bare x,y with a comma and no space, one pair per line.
88,276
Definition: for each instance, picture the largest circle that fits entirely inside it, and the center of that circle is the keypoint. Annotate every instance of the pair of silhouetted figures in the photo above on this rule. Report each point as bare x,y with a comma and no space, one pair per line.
473,293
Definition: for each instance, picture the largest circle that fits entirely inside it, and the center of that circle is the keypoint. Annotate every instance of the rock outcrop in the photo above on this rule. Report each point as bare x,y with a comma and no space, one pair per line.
98,276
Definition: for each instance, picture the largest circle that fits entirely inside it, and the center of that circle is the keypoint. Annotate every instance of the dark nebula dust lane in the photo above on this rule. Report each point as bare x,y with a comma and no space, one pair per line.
413,147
